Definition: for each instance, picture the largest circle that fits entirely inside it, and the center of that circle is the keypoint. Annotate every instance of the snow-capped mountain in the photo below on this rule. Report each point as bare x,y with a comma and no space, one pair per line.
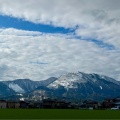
72,86
83,85
69,80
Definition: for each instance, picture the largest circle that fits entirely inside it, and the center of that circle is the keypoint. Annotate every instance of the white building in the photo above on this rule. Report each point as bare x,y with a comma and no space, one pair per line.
3,104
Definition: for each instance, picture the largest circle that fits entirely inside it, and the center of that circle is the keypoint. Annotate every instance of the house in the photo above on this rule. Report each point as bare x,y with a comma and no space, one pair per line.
3,104
48,103
108,103
23,104
31,105
10,104
38,104
116,104
61,104
74,105
90,104
17,104
53,103
116,101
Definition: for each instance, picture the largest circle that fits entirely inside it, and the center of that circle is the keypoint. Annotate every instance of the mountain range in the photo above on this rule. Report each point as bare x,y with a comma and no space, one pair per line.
70,86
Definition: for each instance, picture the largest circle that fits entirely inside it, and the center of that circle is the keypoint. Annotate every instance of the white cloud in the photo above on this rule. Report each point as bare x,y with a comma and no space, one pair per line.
61,12
98,18
24,50
45,55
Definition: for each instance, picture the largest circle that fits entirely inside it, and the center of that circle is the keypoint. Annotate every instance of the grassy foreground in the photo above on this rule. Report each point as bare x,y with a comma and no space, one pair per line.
58,114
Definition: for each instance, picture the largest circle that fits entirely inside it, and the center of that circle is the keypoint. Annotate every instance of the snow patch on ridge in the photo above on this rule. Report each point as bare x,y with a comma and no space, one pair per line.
101,87
16,88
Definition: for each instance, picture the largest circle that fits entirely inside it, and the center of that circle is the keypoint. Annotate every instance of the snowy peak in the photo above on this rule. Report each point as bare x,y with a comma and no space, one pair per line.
71,80
67,80
83,85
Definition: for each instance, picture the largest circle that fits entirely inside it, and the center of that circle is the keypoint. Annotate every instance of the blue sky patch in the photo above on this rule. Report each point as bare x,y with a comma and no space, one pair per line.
11,22
100,43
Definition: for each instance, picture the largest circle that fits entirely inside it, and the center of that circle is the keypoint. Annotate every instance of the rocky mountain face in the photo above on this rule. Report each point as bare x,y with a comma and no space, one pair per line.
47,82
26,85
22,85
71,86
88,86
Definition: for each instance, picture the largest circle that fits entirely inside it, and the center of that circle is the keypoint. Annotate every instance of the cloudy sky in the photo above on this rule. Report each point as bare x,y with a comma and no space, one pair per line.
44,38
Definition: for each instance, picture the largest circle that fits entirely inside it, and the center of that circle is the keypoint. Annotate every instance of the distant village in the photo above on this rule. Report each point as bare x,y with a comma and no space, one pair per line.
48,103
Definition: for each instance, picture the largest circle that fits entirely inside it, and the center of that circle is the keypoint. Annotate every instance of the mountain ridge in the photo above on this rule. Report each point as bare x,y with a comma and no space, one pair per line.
69,86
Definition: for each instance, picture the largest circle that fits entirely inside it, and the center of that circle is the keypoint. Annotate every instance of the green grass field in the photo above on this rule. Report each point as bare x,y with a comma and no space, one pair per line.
58,114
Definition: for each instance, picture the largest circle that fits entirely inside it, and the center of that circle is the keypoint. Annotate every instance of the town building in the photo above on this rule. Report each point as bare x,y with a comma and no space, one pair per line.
3,104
